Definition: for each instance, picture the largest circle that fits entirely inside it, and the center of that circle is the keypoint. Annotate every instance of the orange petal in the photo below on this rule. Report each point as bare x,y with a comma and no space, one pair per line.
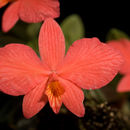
73,98
51,43
124,47
35,100
124,84
38,10
3,3
90,64
20,69
10,16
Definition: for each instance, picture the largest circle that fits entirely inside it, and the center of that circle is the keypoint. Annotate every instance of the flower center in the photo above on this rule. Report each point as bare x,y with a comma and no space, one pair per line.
55,89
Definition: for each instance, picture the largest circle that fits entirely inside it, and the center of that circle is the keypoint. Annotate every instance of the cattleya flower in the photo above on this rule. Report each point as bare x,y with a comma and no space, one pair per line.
56,77
123,46
30,11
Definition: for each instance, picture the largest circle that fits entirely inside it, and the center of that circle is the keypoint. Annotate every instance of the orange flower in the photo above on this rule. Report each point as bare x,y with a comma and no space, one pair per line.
89,64
30,11
123,46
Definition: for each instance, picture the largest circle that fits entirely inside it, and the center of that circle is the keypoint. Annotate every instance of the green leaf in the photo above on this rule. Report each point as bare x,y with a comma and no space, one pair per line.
34,45
8,38
73,29
33,34
33,30
96,94
116,34
16,35
19,31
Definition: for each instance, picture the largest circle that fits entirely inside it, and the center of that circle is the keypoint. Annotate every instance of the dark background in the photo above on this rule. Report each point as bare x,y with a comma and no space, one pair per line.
98,16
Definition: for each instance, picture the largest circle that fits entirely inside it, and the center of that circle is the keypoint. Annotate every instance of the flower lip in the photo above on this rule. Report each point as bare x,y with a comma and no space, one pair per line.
54,92
54,88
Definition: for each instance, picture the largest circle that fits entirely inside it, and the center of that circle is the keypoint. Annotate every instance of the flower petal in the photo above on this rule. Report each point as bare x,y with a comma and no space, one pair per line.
51,43
90,64
10,16
3,3
124,84
20,69
73,98
35,100
124,47
38,10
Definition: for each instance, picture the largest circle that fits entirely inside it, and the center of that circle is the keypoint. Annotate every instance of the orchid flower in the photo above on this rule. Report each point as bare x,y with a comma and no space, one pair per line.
30,11
56,77
123,46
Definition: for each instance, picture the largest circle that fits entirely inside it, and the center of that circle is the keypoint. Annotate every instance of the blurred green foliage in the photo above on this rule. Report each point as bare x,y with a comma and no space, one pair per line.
16,35
116,34
33,30
33,34
8,38
22,33
73,29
